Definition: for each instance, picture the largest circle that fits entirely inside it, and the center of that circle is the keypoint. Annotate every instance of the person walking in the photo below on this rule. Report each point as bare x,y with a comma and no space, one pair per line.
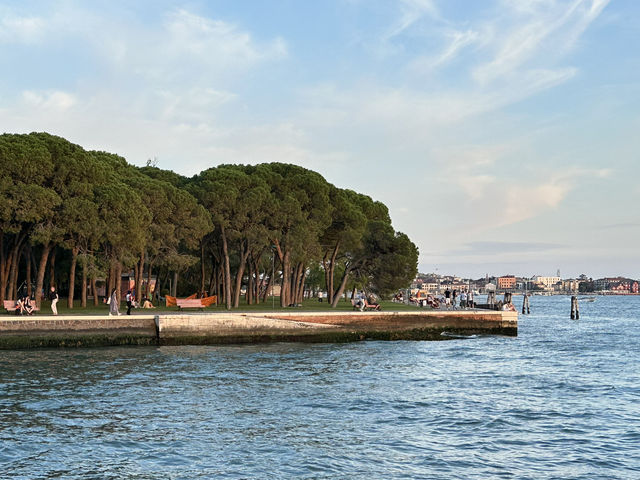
53,296
447,298
463,299
129,298
114,307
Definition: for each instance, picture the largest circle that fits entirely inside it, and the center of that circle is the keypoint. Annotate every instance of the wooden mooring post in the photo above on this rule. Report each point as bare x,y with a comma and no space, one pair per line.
491,298
507,297
525,304
575,310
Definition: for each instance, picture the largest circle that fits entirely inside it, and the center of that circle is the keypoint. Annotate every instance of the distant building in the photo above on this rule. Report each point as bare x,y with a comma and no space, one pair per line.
547,283
508,282
617,284
569,286
431,287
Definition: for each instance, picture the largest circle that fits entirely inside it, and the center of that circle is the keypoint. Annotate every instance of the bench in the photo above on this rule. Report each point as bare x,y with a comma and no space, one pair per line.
367,305
10,306
190,303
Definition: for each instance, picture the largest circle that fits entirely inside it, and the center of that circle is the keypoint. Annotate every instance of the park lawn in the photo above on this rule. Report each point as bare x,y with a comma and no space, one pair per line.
309,305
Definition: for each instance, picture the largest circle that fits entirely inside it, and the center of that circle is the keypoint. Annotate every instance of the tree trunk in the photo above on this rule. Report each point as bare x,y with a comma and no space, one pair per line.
212,278
174,285
94,289
13,271
202,272
83,296
244,253
303,277
285,295
259,280
227,270
111,283
41,269
295,283
343,284
140,276
147,288
28,257
118,279
250,282
52,267
72,276
2,264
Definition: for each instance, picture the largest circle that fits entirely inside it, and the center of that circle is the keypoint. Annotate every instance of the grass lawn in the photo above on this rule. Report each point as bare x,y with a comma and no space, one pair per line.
309,305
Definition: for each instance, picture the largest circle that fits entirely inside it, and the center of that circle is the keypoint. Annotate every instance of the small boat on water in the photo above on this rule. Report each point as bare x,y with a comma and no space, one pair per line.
587,299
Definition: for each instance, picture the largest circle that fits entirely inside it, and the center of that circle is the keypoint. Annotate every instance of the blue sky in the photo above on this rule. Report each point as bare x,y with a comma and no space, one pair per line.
503,135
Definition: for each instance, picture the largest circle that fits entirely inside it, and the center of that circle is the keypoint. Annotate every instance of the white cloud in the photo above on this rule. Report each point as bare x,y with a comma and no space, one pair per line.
216,42
16,29
50,100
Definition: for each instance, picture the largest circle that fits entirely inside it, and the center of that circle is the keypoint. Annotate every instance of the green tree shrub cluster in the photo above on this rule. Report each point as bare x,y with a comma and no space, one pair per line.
230,230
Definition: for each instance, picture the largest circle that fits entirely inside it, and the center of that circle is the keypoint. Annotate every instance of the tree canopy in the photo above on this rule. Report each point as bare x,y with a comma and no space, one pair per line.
230,230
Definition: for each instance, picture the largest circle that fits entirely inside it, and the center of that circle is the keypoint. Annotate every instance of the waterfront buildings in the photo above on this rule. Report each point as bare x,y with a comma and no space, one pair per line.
508,282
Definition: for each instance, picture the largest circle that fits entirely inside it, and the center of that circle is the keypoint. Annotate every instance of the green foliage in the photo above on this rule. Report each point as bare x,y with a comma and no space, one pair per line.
95,204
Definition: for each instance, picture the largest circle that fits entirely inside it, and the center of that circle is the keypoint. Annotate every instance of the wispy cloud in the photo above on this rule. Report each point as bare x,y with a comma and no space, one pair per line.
550,28
411,11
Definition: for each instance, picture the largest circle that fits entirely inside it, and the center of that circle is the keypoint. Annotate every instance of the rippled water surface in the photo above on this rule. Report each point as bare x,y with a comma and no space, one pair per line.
559,401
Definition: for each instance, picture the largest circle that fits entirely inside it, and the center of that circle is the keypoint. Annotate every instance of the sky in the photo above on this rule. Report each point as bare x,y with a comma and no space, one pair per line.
503,135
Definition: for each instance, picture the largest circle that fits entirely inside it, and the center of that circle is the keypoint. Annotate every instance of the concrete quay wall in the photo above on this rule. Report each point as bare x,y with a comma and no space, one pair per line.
76,331
235,327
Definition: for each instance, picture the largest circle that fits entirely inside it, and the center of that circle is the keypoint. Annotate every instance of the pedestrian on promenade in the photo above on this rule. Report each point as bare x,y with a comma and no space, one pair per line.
129,298
447,298
114,307
454,298
53,296
463,299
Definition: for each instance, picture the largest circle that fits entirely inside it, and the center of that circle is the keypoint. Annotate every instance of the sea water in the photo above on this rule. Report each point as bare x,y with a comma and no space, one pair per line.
561,400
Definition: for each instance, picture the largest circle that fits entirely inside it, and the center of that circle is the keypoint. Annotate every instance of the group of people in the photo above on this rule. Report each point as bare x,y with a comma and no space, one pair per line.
25,305
450,300
130,298
362,301
463,299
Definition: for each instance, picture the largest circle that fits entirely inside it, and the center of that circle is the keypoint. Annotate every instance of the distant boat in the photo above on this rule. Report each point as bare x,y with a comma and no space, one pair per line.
587,299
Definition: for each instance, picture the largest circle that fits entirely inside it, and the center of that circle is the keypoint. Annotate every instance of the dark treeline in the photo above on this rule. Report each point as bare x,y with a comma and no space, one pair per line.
70,217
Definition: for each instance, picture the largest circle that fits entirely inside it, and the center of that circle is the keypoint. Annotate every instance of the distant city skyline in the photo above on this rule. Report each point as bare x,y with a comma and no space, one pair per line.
502,135
422,274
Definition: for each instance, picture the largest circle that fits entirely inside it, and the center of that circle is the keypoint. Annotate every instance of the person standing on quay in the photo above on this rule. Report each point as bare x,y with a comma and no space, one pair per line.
114,308
447,298
129,299
53,296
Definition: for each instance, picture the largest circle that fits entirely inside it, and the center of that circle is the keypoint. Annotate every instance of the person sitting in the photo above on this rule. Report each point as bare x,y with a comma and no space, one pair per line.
508,307
19,307
28,306
146,303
